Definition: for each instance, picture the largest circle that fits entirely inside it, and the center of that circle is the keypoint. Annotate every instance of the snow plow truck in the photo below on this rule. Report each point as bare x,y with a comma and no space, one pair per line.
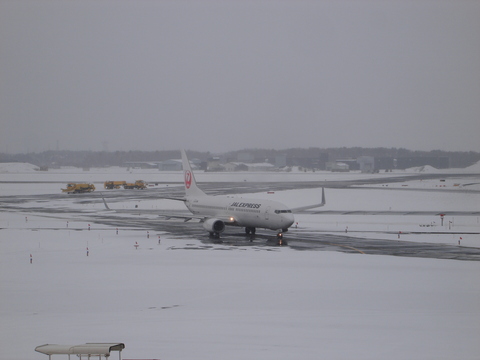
114,184
139,184
75,188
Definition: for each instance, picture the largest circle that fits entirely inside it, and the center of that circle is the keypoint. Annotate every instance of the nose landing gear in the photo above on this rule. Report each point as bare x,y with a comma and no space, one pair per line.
280,240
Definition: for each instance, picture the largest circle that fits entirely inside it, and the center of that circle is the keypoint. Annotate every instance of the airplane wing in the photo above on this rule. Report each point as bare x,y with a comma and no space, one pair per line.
152,212
227,220
144,211
184,217
302,208
167,215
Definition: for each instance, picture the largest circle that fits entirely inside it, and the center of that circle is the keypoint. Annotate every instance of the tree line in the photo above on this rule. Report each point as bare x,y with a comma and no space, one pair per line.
54,158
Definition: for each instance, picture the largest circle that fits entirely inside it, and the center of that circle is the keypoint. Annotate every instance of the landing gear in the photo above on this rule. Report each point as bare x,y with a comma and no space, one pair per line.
250,231
280,241
215,236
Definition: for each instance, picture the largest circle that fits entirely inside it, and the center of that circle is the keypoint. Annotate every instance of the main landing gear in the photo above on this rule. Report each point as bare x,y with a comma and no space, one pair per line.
215,236
250,231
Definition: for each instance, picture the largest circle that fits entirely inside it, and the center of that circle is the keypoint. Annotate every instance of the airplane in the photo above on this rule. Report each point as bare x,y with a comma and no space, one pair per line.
218,211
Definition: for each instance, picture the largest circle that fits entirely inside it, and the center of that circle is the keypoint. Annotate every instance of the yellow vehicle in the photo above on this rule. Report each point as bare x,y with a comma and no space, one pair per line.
139,184
114,184
74,188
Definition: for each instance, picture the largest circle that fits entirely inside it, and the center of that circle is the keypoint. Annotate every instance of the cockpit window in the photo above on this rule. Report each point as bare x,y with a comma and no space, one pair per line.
282,211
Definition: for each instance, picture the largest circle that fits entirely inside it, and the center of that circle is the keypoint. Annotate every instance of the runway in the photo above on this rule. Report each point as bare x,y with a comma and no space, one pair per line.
299,239
78,207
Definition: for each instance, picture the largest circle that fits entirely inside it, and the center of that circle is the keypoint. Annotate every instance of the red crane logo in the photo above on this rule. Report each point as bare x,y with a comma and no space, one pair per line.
188,179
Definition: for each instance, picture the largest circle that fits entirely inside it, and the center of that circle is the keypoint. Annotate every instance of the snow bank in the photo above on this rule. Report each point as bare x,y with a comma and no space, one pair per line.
427,169
423,169
184,300
17,168
475,168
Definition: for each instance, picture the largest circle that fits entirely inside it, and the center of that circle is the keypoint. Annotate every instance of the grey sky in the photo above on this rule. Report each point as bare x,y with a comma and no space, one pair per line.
225,75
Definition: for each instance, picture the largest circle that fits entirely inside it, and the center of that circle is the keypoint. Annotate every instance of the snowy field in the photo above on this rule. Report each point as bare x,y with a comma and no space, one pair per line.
182,299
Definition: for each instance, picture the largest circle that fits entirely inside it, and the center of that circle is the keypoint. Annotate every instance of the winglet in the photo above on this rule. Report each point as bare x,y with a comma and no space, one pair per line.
312,206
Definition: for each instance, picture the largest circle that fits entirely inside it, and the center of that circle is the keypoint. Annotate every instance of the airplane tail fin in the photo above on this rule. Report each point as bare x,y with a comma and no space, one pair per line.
191,188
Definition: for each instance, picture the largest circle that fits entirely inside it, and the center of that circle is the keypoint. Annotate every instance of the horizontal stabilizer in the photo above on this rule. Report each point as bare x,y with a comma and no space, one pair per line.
106,206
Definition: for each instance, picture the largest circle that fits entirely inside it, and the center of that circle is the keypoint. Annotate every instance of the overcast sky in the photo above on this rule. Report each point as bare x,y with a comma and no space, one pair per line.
227,75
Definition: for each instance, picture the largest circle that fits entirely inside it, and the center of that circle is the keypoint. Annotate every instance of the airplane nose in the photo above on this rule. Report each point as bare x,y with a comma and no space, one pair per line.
288,220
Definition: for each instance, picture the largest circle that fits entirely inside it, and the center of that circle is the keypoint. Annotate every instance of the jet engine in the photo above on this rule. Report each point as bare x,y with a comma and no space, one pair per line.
214,225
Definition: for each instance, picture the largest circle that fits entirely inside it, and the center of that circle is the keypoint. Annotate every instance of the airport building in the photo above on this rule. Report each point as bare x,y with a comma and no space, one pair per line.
368,164
337,166
170,165
141,164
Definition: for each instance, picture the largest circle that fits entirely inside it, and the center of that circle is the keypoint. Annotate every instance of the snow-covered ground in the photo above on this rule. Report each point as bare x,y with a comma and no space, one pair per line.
182,299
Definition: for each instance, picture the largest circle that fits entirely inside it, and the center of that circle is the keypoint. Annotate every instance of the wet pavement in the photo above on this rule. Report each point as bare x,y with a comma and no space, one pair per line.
298,239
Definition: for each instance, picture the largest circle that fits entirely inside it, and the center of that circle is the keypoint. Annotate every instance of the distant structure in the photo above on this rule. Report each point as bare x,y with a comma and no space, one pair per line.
246,162
319,162
310,159
261,167
170,165
369,164
281,161
167,165
142,164
352,163
235,166
337,166
246,157
213,164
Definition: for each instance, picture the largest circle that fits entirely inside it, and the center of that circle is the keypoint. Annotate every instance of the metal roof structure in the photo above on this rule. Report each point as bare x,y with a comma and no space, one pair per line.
87,350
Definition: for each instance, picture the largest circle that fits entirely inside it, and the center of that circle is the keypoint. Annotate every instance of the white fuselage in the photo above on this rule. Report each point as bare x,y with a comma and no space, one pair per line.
253,213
